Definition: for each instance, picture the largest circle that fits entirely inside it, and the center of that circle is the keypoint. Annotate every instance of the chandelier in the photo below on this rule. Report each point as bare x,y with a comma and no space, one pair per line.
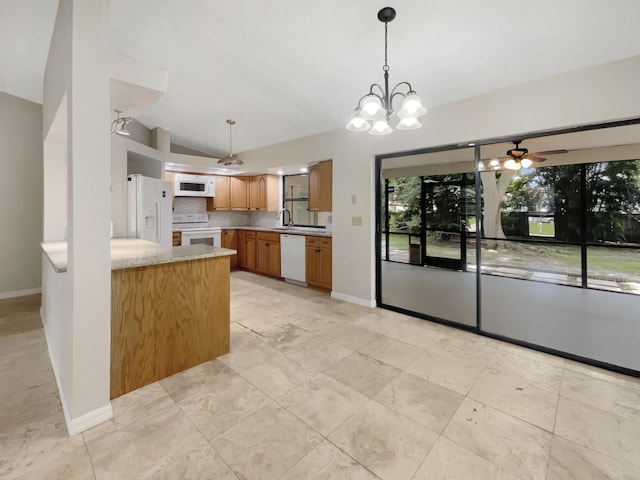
374,109
230,160
119,125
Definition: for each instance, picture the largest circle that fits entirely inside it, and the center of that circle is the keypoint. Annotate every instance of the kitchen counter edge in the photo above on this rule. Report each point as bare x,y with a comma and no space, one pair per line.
285,231
133,252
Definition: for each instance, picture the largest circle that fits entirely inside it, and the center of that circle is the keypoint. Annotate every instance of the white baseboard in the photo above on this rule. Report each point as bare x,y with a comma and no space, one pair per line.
358,301
83,422
20,293
89,420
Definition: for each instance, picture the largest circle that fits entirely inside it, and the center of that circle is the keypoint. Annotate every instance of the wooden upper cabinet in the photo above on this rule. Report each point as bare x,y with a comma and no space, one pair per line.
222,200
239,197
260,192
320,189
254,193
264,193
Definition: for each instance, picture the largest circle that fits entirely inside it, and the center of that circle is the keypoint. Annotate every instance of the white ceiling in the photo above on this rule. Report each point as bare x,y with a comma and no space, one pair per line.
285,69
577,142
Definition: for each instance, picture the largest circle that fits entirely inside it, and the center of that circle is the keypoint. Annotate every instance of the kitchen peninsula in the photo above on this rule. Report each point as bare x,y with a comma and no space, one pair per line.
169,308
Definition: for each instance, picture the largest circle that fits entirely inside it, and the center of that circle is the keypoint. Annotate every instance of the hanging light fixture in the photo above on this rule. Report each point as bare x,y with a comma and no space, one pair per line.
119,125
374,109
230,160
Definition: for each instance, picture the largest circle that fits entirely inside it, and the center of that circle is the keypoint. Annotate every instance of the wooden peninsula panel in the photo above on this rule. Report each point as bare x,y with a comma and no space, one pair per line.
166,318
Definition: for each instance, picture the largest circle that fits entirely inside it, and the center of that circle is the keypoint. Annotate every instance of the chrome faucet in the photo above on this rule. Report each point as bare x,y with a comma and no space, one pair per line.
287,211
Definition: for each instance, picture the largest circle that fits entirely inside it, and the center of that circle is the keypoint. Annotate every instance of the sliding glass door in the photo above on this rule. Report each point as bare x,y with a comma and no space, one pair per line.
425,220
539,248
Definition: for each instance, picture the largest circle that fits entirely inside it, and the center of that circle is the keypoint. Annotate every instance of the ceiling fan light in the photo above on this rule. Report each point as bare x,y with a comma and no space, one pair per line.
511,164
380,127
408,123
371,108
526,163
494,162
412,106
358,123
481,165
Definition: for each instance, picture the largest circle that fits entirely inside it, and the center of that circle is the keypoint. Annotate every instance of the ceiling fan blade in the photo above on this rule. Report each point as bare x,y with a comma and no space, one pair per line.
550,152
535,158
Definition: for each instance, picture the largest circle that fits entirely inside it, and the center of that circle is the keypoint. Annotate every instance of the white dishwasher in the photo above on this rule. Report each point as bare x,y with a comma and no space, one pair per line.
292,259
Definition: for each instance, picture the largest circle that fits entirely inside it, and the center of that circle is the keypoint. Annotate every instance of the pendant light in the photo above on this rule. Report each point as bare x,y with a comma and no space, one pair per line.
119,125
230,160
374,110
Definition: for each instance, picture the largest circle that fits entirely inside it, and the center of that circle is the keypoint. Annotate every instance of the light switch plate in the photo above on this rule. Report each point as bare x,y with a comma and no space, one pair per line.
357,221
353,199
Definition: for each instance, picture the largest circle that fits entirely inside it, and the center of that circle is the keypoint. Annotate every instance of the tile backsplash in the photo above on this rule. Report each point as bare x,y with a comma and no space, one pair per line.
229,219
189,205
264,219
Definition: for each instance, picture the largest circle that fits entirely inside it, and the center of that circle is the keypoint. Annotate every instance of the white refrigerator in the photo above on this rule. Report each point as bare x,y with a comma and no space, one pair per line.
149,209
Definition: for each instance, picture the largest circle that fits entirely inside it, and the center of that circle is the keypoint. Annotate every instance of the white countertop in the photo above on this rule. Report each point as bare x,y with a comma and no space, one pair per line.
133,252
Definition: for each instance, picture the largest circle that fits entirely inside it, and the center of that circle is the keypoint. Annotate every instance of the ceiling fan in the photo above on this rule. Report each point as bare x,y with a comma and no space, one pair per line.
520,157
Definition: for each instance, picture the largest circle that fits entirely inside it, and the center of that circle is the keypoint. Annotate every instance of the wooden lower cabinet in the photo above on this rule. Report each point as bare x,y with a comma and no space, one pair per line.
259,252
248,257
241,238
229,240
166,318
268,253
318,262
176,239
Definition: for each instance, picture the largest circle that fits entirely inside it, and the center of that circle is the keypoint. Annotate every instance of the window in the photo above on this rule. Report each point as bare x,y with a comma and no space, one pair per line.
296,201
575,224
571,224
427,219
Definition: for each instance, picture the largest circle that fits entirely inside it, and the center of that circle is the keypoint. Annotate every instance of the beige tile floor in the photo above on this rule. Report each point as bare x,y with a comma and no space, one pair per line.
316,388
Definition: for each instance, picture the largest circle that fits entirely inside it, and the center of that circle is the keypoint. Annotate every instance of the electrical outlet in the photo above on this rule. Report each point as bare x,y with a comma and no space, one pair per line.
357,221
353,199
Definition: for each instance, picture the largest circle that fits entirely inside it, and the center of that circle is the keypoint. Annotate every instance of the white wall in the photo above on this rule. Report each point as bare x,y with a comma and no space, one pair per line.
76,304
602,93
20,196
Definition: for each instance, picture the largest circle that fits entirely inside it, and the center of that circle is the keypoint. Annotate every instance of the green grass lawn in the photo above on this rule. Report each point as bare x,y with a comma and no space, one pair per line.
601,261
544,229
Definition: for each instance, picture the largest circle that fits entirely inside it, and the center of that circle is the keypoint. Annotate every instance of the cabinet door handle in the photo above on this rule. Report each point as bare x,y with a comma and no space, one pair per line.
317,250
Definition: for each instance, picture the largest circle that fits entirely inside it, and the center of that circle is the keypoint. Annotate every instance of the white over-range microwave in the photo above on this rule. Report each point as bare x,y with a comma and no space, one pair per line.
188,185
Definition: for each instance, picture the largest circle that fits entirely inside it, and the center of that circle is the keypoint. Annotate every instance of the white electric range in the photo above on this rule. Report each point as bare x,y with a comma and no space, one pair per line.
195,229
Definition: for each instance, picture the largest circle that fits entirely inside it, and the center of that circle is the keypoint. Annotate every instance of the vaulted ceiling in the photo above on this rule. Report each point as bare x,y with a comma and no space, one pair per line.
285,69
